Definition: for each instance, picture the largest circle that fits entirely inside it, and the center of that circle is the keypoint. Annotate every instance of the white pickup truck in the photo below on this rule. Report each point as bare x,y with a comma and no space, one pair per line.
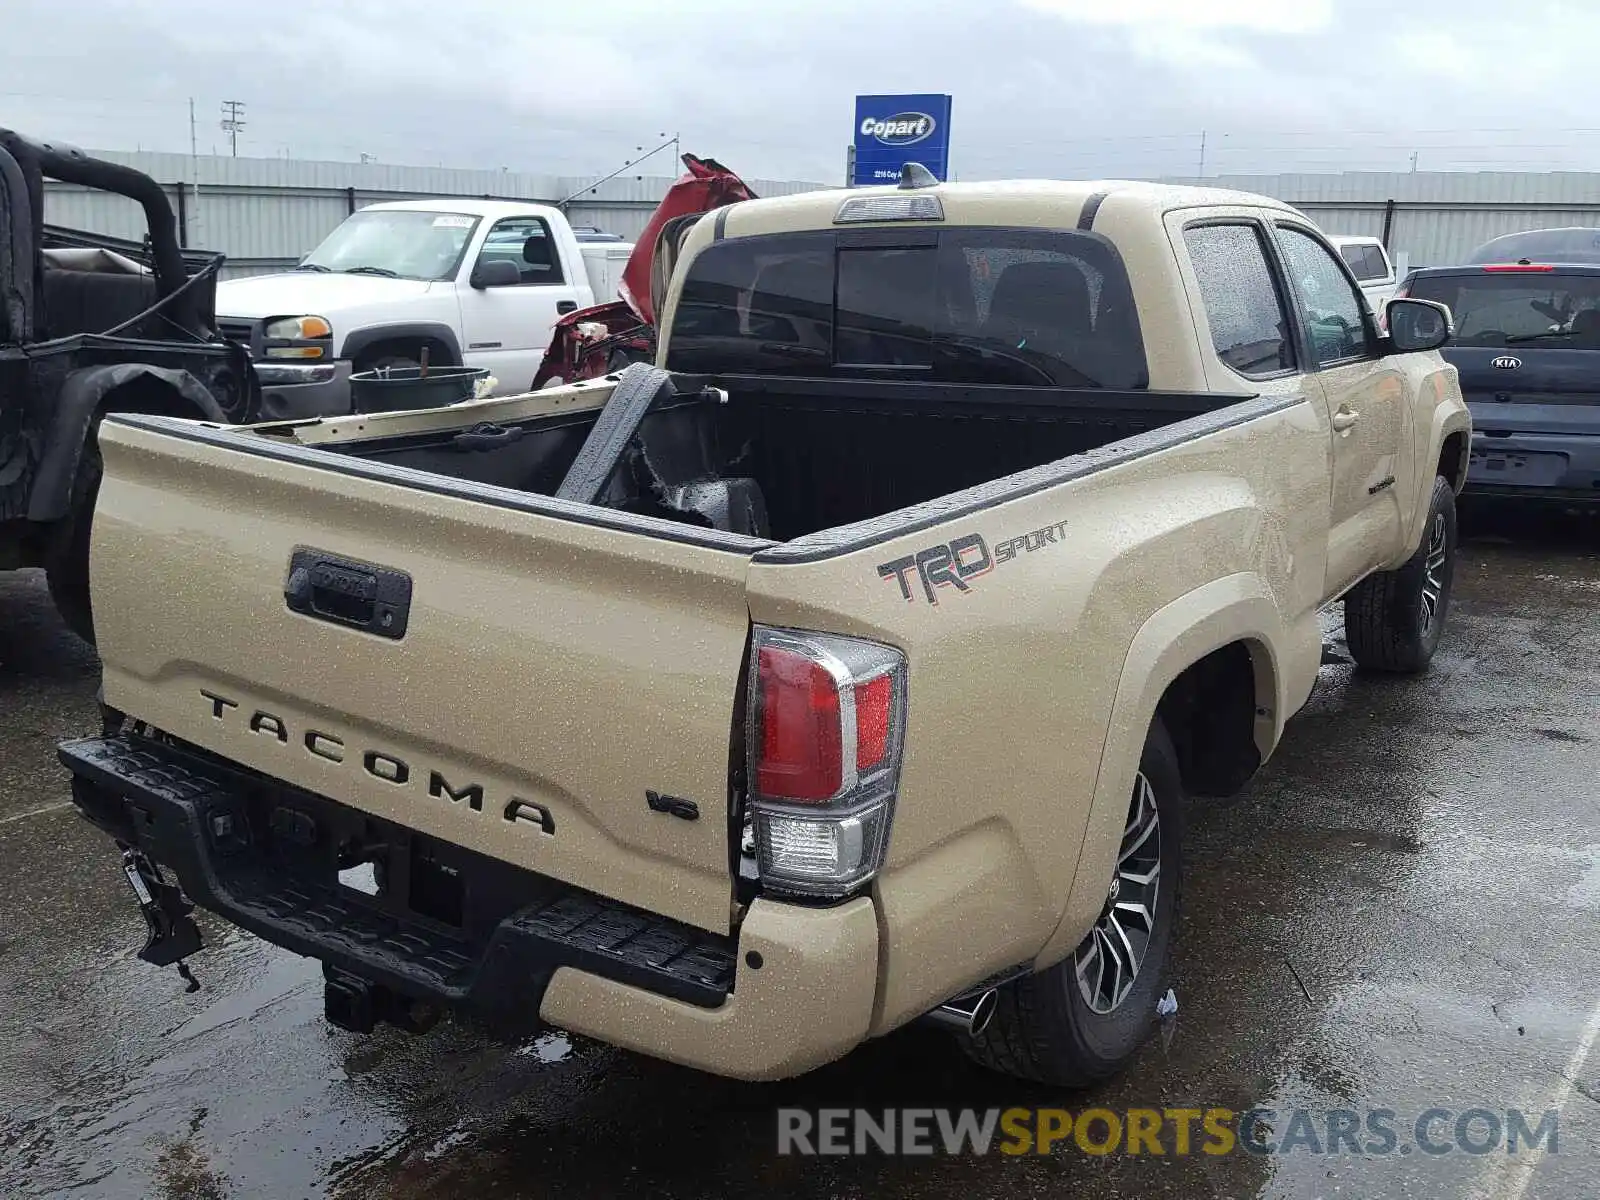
1369,261
474,282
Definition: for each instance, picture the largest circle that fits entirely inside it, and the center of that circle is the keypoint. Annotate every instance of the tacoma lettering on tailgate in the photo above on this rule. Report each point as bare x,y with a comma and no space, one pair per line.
380,764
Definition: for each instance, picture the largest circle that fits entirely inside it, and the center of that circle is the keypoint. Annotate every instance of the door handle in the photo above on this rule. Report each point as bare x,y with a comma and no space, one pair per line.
1344,419
565,306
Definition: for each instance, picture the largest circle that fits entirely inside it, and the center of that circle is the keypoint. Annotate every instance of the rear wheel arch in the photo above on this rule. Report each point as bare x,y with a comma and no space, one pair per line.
1453,457
69,481
1211,711
91,394
1201,646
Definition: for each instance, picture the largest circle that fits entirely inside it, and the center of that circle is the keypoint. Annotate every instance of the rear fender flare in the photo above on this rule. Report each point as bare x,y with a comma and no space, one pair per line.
1232,609
1445,414
83,395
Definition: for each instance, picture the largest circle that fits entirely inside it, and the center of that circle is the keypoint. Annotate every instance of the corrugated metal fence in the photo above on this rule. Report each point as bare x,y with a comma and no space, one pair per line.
265,213
1432,218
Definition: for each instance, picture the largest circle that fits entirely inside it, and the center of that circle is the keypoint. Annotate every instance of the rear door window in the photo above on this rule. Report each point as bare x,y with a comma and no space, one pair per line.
958,305
1249,327
1530,309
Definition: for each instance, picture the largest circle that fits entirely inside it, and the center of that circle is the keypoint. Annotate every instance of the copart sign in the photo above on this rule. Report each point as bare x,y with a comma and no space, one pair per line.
894,130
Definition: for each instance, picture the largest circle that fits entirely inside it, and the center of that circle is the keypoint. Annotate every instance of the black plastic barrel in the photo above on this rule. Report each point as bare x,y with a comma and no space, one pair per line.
392,389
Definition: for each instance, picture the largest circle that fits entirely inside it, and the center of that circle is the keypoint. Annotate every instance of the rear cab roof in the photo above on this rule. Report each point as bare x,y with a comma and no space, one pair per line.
1029,203
1131,215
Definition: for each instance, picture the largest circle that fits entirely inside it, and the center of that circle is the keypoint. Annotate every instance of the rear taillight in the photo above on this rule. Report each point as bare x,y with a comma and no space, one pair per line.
1512,268
823,741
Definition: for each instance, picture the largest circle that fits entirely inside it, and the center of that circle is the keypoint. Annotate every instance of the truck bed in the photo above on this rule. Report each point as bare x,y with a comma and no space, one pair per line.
820,453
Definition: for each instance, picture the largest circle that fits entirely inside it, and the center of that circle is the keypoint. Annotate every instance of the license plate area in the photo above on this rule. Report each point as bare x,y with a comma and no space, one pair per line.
1524,467
266,857
376,863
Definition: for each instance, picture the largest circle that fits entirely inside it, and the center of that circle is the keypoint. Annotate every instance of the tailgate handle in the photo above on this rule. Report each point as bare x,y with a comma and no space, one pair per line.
344,591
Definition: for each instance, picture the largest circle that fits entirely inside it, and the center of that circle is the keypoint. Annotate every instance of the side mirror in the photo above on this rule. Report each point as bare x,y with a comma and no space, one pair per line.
495,272
1418,325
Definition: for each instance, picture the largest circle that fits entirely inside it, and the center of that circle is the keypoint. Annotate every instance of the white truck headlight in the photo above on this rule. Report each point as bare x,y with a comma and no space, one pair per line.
299,328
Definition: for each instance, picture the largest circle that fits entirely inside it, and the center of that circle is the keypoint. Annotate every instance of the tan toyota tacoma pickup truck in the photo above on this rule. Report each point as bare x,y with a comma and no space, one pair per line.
851,666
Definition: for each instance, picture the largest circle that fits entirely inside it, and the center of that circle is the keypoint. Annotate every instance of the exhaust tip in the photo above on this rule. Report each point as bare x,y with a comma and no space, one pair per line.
969,1014
983,1012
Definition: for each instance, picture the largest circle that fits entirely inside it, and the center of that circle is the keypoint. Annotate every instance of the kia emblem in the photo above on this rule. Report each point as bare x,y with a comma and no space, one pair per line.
1506,363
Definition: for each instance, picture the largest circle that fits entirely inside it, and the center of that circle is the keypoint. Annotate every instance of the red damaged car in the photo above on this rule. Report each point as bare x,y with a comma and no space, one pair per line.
607,337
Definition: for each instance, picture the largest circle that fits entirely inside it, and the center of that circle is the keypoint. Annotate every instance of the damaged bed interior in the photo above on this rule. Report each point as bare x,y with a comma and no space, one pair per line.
779,462
823,378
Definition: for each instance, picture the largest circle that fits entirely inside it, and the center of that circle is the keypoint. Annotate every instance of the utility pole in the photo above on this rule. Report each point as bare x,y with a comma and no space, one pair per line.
232,123
1414,155
1201,174
194,162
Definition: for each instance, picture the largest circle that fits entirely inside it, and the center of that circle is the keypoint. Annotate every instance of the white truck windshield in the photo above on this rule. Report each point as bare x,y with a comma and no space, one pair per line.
405,243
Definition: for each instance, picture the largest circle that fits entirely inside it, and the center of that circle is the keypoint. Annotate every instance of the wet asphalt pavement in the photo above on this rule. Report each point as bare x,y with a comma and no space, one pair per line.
1399,913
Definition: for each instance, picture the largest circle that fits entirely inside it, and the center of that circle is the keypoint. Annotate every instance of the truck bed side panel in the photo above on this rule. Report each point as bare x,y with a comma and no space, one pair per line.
1015,662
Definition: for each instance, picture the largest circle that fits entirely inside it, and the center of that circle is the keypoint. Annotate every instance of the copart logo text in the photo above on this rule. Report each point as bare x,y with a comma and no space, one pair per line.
902,129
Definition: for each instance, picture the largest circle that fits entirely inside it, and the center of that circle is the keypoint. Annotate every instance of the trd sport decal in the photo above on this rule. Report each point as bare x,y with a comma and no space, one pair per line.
955,564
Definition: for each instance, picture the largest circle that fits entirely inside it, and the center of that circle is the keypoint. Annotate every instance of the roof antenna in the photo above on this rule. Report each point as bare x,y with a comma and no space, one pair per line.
914,175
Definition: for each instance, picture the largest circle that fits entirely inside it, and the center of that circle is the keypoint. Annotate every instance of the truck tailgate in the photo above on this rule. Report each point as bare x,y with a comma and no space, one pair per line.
550,676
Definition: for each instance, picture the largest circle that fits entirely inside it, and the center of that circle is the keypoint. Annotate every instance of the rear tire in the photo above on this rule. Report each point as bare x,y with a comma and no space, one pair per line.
1073,1024
1393,620
67,548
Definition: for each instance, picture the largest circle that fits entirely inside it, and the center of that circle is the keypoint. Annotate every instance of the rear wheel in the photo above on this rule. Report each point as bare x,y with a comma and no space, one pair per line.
1081,1020
67,547
1393,620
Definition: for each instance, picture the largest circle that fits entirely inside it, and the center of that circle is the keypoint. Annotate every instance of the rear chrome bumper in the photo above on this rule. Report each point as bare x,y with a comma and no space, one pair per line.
461,931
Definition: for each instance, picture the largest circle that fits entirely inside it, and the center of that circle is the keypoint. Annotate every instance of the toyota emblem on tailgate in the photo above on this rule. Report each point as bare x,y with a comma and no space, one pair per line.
1506,363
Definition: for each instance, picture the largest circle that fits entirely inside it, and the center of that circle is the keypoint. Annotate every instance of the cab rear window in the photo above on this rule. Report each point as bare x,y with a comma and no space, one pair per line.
954,305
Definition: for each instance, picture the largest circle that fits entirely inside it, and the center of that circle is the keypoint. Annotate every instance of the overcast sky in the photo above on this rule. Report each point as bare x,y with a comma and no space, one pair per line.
1042,87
